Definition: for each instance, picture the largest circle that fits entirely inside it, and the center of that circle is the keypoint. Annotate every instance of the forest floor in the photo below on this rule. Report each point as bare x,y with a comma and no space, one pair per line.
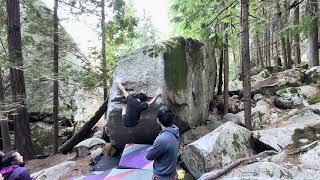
81,169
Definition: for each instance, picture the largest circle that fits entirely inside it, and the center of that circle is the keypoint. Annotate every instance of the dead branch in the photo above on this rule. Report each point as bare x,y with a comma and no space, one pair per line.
247,160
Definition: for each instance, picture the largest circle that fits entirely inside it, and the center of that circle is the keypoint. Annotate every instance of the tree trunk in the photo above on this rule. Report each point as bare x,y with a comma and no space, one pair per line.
245,59
296,39
260,52
282,37
103,52
5,134
220,83
312,12
226,74
22,133
55,82
288,41
268,48
85,130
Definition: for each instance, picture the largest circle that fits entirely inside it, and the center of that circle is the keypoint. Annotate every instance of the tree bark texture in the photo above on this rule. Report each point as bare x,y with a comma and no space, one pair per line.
245,59
56,75
312,12
22,133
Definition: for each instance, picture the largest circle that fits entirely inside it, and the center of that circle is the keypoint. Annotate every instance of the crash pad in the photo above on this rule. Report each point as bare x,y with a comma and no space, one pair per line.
134,156
129,174
106,162
94,175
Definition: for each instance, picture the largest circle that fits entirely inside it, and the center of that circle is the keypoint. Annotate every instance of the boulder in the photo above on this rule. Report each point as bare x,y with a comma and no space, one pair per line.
260,114
83,148
294,97
261,170
280,137
312,75
217,149
56,171
311,158
98,134
198,132
287,78
185,72
236,118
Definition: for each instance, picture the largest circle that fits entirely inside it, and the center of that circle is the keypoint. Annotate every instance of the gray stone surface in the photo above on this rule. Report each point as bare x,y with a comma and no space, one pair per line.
85,147
279,138
183,70
260,114
313,75
55,172
217,149
264,170
311,159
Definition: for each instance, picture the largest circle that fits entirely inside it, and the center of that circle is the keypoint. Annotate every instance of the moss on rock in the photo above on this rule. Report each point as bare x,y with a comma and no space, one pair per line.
311,133
236,142
175,65
313,100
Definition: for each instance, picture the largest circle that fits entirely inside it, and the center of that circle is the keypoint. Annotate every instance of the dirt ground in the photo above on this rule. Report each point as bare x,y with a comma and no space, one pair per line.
40,164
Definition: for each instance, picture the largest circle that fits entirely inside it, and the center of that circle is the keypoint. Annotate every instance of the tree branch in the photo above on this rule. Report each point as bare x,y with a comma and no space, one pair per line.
247,160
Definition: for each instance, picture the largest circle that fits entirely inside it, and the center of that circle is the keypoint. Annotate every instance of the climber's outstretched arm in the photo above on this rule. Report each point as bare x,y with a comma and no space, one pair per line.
153,100
123,90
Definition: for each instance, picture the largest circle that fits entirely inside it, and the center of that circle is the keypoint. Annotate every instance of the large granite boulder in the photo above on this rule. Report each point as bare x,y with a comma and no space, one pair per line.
294,97
311,158
183,69
312,75
217,149
288,131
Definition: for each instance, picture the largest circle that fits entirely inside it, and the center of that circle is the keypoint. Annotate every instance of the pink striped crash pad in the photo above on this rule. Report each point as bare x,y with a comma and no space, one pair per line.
129,174
133,157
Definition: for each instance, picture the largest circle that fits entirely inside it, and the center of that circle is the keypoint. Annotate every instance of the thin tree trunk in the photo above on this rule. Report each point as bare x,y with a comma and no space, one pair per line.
103,52
261,60
282,37
226,74
312,12
296,38
220,83
268,48
288,41
55,82
245,59
22,133
5,134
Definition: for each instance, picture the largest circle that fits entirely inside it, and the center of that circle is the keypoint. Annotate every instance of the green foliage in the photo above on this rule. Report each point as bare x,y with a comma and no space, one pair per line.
313,99
310,133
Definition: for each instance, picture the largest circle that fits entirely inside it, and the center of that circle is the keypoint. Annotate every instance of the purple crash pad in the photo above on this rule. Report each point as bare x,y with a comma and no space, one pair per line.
129,174
133,156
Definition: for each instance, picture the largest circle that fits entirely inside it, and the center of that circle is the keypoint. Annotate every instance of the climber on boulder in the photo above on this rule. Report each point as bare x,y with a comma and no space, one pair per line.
136,103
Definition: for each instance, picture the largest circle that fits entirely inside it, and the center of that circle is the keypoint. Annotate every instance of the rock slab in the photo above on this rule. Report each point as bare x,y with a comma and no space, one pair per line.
217,149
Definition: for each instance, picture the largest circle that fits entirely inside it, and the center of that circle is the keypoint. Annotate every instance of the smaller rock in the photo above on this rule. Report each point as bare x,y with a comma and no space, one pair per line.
257,97
236,118
194,134
313,75
83,148
98,134
95,153
55,172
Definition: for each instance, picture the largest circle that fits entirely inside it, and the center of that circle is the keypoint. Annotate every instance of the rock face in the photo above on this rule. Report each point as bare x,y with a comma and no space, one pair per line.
263,170
260,115
56,171
313,75
294,97
217,149
184,71
311,158
279,138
